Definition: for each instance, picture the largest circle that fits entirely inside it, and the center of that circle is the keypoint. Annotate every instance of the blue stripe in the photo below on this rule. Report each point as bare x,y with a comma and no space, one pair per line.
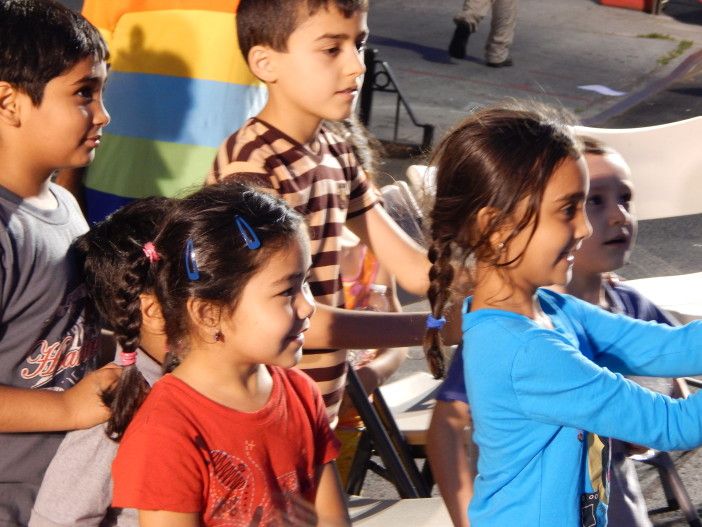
99,205
179,110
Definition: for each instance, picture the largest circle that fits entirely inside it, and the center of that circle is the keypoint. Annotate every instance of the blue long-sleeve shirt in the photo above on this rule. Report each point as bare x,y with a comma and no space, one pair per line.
533,391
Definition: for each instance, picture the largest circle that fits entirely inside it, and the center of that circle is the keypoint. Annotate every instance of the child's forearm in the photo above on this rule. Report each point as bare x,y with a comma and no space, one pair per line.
25,410
381,368
341,328
28,410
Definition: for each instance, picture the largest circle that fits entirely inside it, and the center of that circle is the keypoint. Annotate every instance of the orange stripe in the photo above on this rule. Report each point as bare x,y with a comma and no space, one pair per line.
105,13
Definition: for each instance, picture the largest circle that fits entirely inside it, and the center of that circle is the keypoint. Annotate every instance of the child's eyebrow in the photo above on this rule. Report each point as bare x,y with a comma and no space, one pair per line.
343,36
88,79
290,278
575,196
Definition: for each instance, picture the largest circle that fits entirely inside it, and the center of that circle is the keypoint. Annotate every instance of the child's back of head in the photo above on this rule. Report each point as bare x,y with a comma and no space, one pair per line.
119,257
40,40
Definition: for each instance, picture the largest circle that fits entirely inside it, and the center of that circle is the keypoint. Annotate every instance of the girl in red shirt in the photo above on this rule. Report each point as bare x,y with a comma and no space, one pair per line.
232,435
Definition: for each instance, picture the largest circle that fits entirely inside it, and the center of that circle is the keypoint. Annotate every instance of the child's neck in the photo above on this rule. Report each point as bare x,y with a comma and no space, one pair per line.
300,126
588,287
242,387
27,182
493,290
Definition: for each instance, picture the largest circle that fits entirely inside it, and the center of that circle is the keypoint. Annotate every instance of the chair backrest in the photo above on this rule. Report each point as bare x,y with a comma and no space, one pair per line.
666,165
665,161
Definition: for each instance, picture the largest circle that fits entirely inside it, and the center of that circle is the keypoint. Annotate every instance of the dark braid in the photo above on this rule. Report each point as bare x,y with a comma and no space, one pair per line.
116,273
440,279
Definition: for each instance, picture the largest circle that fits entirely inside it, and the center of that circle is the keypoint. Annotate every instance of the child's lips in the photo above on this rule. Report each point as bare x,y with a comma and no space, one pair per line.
93,141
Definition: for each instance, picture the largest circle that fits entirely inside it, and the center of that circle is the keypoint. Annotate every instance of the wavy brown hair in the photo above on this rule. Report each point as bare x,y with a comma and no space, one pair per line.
498,157
225,264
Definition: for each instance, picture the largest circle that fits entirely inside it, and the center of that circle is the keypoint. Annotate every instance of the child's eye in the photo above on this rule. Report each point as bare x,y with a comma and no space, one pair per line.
85,93
570,211
625,200
594,200
288,292
333,51
361,46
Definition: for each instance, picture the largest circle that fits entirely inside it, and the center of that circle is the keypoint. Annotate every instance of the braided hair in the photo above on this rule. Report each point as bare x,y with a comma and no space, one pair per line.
116,272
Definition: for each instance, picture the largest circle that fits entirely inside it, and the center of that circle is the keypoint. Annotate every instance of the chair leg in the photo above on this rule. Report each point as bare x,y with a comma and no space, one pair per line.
673,487
359,465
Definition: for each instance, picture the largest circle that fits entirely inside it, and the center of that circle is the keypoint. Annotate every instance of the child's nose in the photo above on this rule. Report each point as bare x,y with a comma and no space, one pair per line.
305,303
357,64
618,214
102,117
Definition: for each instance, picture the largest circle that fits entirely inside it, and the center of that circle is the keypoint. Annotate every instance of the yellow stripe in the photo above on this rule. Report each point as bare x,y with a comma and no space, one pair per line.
180,43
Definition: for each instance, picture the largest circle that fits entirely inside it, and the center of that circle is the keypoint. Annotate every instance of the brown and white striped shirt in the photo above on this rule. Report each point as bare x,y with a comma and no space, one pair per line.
324,182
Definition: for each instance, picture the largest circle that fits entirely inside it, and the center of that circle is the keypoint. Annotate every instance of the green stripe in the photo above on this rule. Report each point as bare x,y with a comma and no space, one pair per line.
163,169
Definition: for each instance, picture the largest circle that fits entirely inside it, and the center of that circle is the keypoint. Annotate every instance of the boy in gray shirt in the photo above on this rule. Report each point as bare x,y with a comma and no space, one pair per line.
52,73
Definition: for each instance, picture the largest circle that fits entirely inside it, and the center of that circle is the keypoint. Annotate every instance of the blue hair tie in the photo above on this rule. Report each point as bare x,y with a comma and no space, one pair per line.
247,233
435,323
190,264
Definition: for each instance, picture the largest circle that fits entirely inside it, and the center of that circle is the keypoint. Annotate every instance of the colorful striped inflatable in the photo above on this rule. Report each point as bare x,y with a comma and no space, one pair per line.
178,87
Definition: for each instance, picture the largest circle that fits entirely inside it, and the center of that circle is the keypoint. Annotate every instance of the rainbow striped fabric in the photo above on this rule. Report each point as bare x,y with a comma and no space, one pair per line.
178,86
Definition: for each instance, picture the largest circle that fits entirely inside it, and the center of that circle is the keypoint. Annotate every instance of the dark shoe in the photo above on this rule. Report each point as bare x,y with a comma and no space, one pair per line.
504,64
457,47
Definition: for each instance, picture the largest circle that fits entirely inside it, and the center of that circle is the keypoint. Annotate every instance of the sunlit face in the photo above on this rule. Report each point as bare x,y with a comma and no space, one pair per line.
320,73
66,127
268,324
549,255
610,212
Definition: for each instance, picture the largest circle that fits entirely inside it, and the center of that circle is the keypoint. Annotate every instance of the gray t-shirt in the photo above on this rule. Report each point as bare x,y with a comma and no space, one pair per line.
84,461
43,341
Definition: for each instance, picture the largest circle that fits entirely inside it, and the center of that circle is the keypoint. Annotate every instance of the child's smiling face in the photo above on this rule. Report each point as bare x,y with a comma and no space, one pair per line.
548,250
610,212
268,323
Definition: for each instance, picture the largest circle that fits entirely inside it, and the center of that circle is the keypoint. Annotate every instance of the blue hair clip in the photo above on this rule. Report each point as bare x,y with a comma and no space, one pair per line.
250,238
190,264
435,323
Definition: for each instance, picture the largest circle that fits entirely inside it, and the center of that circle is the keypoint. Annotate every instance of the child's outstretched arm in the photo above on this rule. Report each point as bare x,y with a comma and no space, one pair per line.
26,410
329,503
342,328
395,250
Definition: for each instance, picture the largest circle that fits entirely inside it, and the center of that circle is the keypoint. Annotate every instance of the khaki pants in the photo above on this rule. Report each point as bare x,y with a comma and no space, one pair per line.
504,19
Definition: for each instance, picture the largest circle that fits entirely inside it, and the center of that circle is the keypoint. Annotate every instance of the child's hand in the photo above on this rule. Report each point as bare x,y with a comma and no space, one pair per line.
83,403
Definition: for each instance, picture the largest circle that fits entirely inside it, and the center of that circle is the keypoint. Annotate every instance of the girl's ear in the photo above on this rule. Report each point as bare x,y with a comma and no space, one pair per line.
486,218
262,61
9,110
205,317
151,314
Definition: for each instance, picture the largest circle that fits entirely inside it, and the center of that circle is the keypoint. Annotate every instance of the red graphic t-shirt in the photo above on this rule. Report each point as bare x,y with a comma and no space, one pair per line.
186,453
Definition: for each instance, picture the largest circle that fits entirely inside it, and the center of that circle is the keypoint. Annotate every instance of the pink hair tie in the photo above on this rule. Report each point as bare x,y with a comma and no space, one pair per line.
127,358
150,252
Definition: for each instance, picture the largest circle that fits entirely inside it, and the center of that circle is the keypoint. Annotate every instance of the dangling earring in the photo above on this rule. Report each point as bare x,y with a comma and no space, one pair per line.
218,337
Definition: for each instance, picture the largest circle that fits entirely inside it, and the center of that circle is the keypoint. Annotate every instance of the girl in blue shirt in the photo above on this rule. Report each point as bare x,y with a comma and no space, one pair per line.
541,367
